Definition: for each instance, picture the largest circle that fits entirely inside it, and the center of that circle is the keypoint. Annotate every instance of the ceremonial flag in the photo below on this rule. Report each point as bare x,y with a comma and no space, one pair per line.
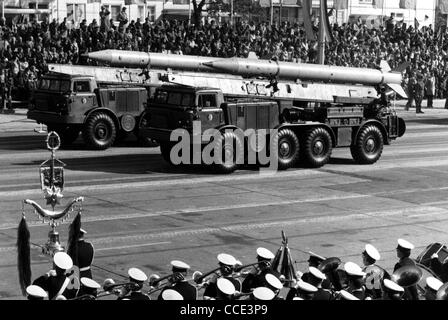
408,4
443,6
378,4
340,4
325,22
416,23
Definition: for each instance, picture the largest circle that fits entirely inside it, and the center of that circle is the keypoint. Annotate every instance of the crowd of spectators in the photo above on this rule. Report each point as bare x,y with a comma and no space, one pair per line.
26,47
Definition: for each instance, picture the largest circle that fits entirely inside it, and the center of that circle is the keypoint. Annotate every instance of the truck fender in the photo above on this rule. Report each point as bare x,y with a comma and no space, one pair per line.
295,127
376,123
106,111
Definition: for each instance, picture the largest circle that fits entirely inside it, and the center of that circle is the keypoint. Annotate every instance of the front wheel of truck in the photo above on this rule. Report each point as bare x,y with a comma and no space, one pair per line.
100,131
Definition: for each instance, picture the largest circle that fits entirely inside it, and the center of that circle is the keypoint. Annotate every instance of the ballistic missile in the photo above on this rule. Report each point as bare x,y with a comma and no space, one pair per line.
255,68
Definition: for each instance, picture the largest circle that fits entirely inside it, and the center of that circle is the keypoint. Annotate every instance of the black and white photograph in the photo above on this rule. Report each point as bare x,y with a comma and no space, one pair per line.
235,156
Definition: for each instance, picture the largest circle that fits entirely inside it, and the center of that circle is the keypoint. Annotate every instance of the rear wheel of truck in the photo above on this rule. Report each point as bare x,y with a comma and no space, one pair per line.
288,148
100,131
231,153
317,147
369,145
68,134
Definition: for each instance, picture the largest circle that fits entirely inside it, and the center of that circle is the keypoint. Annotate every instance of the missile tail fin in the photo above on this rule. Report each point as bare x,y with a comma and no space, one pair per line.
252,55
385,66
398,89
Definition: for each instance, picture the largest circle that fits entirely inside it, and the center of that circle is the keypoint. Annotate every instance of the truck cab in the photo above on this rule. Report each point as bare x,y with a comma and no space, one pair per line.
70,104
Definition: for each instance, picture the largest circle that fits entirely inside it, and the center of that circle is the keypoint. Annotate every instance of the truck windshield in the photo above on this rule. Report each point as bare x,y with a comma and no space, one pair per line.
174,98
54,85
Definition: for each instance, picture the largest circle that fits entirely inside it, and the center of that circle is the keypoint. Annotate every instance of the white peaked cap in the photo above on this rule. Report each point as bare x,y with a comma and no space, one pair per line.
434,283
170,294
227,259
353,269
372,252
63,260
317,273
273,281
263,293
265,253
225,286
36,291
405,244
137,275
89,283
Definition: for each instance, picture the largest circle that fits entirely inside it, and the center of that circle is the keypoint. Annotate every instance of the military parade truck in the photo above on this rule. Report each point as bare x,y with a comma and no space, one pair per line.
307,132
70,104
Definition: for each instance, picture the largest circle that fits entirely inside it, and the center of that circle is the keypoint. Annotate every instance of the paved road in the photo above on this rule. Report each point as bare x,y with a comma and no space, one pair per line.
141,212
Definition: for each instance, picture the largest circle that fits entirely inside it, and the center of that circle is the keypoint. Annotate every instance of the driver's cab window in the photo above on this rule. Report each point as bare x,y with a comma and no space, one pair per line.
207,101
81,86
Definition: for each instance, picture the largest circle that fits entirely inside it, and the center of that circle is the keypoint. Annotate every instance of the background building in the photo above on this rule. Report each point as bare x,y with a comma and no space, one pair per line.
371,12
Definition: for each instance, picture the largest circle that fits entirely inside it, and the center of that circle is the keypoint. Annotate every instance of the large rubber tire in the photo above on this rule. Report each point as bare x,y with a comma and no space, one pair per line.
317,147
100,131
369,145
232,148
68,134
288,148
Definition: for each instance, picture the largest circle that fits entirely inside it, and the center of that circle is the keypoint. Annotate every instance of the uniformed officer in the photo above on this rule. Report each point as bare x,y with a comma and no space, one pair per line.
404,249
316,278
170,294
432,286
225,289
419,92
179,283
355,277
262,294
256,277
34,292
302,290
134,291
313,261
274,283
86,253
226,264
392,291
56,282
89,289
411,91
374,273
344,295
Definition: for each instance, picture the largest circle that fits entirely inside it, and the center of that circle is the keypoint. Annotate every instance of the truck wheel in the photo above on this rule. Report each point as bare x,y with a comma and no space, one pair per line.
68,134
317,147
288,148
368,146
100,131
232,150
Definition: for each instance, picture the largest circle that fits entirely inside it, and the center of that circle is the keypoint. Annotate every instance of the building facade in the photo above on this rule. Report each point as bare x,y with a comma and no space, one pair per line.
280,10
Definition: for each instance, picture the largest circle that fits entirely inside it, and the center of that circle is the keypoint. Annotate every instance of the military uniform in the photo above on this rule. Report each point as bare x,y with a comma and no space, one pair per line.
419,92
432,287
392,291
187,290
86,253
137,278
404,250
227,264
302,290
374,274
411,92
34,292
257,277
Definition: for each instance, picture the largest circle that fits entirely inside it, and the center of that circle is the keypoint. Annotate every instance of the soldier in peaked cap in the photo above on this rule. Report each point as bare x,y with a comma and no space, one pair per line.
86,253
134,291
404,249
392,291
303,290
316,278
56,282
226,263
226,289
34,292
374,273
355,277
179,283
274,283
256,277
432,286
89,289
313,261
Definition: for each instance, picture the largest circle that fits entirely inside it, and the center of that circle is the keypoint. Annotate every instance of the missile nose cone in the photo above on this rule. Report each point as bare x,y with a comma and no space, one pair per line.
102,56
227,65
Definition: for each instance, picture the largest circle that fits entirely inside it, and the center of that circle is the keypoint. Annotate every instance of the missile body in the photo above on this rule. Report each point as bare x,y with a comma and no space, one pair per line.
251,68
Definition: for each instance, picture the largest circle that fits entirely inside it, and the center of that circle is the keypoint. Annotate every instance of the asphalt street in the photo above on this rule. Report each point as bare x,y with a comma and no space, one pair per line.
140,212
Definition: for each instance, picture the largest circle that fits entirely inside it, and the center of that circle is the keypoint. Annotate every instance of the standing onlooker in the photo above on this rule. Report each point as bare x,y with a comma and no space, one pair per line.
105,19
430,89
419,92
411,94
123,18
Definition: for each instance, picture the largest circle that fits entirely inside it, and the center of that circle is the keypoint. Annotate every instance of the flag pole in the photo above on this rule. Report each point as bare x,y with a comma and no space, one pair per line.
272,12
